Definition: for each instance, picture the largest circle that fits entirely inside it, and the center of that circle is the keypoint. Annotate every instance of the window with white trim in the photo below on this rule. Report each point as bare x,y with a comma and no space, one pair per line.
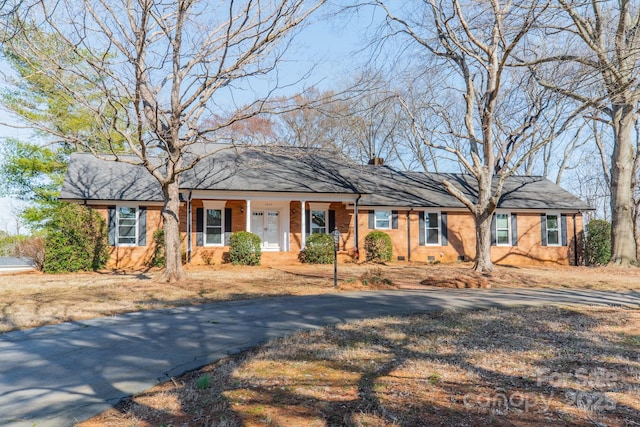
503,229
553,230
319,221
214,227
382,220
126,226
432,228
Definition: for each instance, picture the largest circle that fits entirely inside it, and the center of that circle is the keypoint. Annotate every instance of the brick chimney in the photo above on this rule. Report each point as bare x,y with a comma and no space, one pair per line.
376,161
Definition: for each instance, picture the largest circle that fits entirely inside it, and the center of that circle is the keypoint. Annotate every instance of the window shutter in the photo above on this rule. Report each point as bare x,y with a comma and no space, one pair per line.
200,227
227,225
142,226
444,232
332,220
514,229
421,227
563,229
372,220
307,226
394,220
112,225
494,238
543,228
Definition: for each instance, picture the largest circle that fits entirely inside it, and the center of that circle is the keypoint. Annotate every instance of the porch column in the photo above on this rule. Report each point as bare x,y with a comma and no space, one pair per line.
248,219
303,221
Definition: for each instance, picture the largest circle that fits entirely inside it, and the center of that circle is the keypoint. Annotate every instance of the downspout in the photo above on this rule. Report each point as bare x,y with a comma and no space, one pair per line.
355,223
575,241
409,234
189,221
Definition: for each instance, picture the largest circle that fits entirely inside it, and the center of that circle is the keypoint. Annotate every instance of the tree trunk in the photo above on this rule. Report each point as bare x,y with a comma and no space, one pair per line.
173,271
483,243
623,244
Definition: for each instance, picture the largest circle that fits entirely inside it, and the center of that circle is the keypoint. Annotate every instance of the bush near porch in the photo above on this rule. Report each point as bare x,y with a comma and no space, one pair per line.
319,250
377,246
244,248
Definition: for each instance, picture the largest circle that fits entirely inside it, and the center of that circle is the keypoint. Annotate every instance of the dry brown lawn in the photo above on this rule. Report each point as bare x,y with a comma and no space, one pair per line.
521,367
35,299
515,367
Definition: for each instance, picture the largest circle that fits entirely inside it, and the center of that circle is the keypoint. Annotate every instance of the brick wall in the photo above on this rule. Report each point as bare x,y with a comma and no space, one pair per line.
134,257
461,238
462,245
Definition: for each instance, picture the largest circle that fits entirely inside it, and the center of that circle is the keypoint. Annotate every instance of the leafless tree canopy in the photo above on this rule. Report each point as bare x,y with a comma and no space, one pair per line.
464,98
159,70
592,57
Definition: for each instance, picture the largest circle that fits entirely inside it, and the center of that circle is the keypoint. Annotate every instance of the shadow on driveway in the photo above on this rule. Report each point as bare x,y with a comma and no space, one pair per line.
61,374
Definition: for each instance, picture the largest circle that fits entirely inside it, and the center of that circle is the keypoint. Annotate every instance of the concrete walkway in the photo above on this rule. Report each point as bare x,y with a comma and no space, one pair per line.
62,374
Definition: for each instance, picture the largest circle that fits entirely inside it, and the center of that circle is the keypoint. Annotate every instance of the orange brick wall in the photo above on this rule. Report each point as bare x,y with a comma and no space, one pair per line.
211,254
134,257
462,245
461,238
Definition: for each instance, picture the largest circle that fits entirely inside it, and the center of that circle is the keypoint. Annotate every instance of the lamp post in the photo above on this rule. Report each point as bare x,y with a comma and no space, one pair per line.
336,243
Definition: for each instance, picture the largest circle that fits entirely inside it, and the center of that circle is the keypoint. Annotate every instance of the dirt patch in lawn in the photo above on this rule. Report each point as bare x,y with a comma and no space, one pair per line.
515,367
33,299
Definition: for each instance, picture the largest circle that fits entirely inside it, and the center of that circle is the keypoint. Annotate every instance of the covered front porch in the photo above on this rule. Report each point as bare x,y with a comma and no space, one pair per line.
282,221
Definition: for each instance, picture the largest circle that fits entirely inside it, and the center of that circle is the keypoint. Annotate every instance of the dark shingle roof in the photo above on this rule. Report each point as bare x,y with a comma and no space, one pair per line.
388,187
271,169
303,171
90,178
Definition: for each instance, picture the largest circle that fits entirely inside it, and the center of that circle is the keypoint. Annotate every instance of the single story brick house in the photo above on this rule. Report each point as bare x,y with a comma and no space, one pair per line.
285,194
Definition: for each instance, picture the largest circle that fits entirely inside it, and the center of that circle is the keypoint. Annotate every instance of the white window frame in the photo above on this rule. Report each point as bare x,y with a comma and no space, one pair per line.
326,220
509,231
426,229
219,206
559,229
135,227
375,219
319,207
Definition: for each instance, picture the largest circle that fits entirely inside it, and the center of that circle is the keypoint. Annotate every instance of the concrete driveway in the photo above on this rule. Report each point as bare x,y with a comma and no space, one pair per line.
62,374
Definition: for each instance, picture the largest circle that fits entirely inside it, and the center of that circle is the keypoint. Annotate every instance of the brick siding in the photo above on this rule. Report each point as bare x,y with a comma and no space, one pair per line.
461,238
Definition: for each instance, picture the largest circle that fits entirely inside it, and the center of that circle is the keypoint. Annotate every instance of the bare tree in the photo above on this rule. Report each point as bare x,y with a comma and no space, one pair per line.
360,122
596,61
160,70
374,132
487,115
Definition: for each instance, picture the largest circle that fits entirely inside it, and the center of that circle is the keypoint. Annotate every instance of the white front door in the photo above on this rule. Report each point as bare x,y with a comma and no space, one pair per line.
266,225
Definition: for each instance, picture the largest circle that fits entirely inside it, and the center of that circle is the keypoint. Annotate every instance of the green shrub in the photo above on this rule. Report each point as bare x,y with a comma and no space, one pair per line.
244,248
378,247
75,240
375,277
158,259
203,382
598,242
318,249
